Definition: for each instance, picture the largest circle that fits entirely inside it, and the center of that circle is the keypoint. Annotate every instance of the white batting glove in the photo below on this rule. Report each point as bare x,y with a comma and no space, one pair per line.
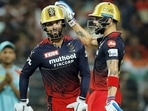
79,105
22,106
113,106
68,12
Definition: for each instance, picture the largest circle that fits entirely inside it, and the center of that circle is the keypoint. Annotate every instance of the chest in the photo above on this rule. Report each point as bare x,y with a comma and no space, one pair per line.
55,58
100,50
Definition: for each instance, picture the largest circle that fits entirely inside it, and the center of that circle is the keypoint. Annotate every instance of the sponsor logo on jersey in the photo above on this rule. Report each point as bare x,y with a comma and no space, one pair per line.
63,60
113,52
51,54
111,43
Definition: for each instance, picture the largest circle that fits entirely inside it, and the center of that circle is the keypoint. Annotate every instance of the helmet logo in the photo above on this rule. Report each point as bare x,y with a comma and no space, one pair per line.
51,11
107,10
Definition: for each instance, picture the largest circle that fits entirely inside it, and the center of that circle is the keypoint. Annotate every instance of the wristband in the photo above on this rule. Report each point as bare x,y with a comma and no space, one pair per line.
109,98
82,98
113,81
23,100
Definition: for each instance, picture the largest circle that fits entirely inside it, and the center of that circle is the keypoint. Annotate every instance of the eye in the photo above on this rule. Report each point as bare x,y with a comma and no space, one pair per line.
49,24
54,22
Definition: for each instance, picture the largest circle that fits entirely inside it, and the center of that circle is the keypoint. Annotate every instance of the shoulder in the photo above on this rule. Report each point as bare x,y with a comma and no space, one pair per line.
114,39
114,35
73,42
41,46
44,42
70,39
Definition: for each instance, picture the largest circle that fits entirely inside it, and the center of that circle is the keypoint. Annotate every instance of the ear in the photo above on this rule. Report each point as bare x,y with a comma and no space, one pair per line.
110,21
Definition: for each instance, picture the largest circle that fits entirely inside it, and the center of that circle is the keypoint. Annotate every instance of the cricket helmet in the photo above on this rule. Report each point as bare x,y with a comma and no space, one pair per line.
106,9
51,13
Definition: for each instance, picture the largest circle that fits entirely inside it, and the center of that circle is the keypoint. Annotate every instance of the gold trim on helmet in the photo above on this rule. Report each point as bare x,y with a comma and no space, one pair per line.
106,9
51,13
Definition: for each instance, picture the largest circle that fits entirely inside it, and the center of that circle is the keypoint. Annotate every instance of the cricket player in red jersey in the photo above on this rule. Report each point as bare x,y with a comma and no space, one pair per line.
61,60
104,81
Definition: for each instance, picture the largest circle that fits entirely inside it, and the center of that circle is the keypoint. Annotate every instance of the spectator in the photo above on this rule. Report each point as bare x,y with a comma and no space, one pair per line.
9,77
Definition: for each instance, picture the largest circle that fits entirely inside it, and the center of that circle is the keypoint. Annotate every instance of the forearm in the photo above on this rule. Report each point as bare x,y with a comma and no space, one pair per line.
23,86
82,34
84,86
113,77
113,84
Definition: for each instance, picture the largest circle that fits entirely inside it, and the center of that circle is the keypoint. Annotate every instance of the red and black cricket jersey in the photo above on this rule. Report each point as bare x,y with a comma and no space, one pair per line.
111,47
59,68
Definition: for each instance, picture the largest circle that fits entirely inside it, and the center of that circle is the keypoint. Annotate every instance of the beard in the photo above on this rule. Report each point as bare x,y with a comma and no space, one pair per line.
55,34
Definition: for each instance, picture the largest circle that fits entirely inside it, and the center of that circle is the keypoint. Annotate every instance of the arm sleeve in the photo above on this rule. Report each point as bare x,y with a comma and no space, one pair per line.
84,72
113,52
30,66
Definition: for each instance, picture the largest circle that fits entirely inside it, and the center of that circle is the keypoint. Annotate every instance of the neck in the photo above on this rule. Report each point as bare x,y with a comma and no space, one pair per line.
58,43
110,29
7,66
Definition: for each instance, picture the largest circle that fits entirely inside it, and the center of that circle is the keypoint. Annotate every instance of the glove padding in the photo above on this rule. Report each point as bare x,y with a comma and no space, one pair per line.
79,105
113,106
68,12
22,106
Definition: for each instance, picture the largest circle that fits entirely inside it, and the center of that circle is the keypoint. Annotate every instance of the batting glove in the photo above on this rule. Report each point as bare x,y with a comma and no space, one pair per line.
22,106
68,12
79,105
112,106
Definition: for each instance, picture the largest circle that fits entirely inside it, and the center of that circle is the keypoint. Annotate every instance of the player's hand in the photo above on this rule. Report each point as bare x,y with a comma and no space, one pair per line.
79,105
68,12
112,106
22,106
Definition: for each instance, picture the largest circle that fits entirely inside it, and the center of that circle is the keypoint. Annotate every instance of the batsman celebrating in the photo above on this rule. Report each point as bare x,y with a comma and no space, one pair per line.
63,64
104,81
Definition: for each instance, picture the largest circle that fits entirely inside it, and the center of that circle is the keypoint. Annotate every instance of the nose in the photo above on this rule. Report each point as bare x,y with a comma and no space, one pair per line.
95,22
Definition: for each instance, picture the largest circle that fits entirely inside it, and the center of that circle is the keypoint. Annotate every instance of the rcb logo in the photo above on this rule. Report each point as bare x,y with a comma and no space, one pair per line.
51,11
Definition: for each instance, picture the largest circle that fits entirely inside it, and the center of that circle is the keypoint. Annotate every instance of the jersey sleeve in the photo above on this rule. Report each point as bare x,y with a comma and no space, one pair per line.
30,66
113,49
84,72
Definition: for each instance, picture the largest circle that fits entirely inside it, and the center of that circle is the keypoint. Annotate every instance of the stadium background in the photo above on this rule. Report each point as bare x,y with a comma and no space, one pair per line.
20,24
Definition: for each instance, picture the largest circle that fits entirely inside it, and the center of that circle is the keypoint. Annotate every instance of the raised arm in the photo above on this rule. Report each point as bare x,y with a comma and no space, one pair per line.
82,34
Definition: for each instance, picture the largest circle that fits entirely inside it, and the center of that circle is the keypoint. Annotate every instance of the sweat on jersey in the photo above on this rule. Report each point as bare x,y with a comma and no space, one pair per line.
59,69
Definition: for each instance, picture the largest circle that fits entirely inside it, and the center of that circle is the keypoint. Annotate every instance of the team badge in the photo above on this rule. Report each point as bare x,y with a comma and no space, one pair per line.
111,43
71,47
51,11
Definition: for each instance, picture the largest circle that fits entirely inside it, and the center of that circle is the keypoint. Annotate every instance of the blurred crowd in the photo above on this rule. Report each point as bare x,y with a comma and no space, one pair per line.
20,24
